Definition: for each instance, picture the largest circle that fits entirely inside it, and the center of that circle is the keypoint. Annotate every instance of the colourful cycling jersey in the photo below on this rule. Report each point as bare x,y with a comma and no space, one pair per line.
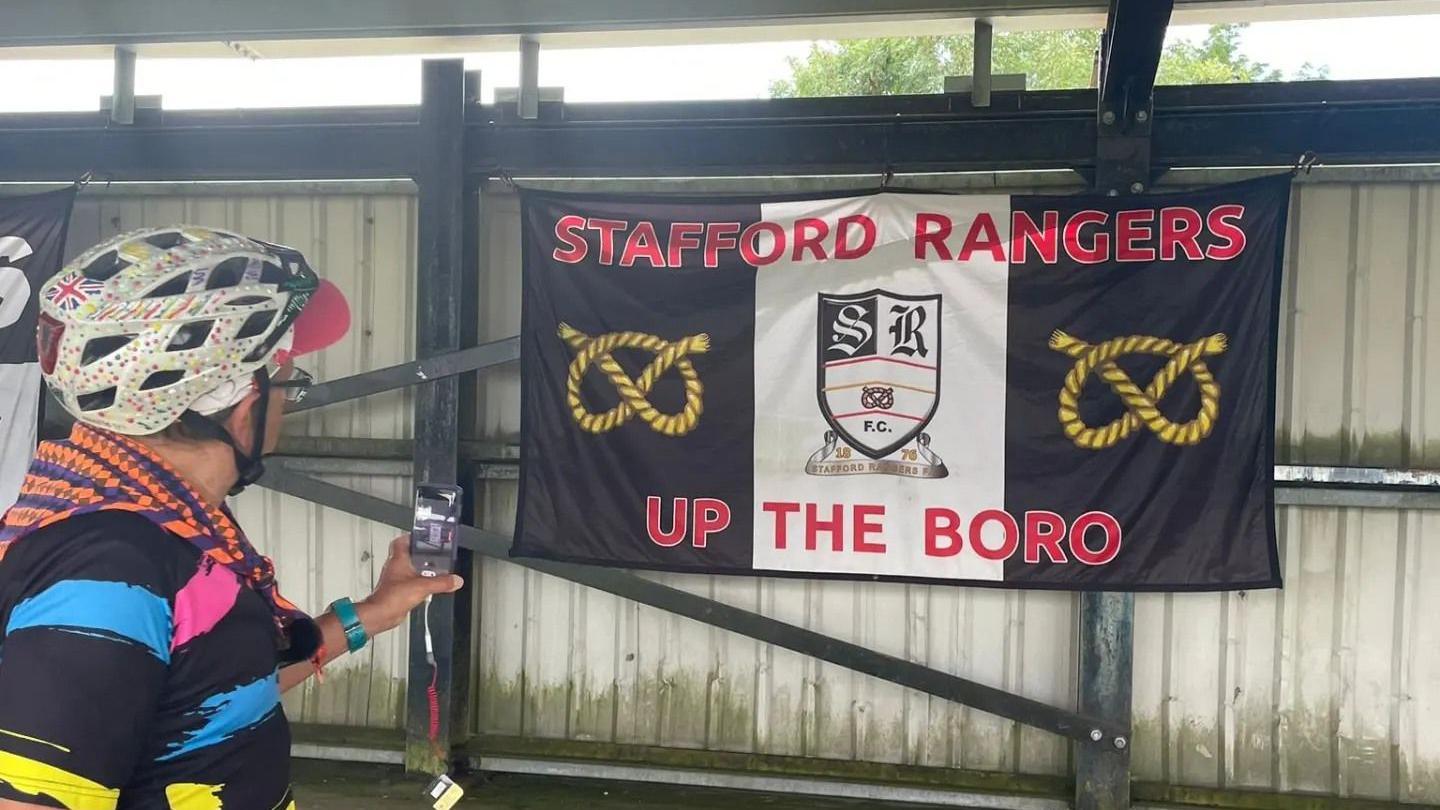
140,638
135,672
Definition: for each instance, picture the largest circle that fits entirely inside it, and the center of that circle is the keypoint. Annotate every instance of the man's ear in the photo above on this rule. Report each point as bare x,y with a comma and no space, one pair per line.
241,421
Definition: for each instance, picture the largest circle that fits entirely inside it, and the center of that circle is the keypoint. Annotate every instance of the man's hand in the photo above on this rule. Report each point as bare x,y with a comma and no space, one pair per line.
400,590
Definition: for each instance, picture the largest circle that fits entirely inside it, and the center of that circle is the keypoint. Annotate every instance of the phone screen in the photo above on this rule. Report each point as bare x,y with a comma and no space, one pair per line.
433,541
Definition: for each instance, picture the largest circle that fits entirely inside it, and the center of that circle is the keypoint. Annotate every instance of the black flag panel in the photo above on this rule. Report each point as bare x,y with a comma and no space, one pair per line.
1017,391
32,242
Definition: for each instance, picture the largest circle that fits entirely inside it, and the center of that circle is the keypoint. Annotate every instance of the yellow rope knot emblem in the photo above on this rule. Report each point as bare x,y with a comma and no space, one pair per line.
1141,408
632,393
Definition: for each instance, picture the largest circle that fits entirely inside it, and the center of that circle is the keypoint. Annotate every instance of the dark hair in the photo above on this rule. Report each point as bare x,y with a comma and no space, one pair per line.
179,431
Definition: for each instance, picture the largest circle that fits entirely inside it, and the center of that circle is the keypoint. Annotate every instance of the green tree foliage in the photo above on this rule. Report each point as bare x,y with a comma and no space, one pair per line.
1051,60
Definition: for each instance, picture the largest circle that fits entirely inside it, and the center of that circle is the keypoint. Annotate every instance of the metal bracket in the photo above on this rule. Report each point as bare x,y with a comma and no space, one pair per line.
1122,160
1130,52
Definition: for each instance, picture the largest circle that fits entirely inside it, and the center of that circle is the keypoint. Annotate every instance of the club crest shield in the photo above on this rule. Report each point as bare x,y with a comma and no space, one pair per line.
877,380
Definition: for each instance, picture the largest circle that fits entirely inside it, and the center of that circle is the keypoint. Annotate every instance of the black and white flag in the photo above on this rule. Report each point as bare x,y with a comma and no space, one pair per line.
1024,391
32,242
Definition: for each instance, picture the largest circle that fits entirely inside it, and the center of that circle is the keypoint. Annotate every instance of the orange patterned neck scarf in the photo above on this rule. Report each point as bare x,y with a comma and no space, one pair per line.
95,470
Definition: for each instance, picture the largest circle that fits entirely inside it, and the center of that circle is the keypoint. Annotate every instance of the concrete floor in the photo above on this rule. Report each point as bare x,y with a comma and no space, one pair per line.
344,786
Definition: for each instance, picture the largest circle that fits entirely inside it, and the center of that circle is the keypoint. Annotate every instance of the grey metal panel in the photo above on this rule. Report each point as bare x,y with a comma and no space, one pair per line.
1359,338
1326,687
499,395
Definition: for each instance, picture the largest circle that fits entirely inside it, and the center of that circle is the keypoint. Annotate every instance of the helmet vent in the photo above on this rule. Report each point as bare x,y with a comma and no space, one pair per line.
96,401
166,240
272,274
257,353
190,336
227,273
256,324
160,379
174,286
105,267
248,301
102,347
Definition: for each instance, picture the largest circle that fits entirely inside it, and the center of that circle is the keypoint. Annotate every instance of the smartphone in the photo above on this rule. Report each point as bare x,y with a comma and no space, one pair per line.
434,539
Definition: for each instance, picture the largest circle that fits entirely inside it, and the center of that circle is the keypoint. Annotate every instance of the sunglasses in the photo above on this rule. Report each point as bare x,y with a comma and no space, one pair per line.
296,387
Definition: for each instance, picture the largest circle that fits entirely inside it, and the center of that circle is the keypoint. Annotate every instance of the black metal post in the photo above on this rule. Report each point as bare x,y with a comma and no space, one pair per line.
437,329
1129,59
1107,622
461,695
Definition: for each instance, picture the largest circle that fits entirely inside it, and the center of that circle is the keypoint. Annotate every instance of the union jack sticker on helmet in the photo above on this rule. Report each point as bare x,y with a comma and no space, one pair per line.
69,293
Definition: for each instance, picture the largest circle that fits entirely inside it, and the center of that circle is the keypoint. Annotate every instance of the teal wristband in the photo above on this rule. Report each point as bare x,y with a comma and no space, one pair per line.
355,635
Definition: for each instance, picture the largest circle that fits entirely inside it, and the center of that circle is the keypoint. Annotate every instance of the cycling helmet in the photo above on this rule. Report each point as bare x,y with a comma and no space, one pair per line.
140,328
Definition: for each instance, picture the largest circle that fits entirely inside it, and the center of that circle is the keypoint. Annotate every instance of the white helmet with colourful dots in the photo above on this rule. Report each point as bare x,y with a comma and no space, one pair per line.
153,323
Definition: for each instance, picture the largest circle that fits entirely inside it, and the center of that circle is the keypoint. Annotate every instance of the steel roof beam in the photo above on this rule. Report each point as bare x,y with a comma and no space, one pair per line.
1130,52
29,23
79,22
1392,121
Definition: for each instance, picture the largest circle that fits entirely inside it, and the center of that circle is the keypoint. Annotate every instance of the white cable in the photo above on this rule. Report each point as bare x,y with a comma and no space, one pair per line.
429,642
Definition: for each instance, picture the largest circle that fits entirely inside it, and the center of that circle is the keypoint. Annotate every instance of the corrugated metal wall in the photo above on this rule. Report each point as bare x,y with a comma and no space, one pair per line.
1332,685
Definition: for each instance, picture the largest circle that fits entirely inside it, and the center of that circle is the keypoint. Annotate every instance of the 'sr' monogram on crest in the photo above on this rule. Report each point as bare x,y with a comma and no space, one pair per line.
905,329
851,329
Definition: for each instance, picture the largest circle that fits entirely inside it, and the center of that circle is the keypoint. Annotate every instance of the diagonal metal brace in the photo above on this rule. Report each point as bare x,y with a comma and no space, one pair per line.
413,373
1085,730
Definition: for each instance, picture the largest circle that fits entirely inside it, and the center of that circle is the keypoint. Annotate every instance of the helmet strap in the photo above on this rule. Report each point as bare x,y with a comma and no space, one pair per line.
249,465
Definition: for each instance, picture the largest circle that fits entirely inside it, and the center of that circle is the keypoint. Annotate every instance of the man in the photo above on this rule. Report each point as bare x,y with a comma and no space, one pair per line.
145,644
